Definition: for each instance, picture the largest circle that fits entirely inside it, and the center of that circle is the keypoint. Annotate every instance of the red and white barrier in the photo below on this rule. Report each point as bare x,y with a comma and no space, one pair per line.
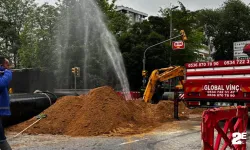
134,94
210,123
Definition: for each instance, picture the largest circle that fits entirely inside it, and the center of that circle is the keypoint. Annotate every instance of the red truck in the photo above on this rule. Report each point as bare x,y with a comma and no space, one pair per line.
219,83
204,84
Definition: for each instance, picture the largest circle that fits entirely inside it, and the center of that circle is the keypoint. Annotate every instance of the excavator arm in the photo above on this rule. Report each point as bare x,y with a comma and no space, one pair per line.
160,75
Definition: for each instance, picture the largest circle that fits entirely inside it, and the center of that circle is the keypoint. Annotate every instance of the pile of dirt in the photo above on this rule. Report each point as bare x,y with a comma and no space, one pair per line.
101,111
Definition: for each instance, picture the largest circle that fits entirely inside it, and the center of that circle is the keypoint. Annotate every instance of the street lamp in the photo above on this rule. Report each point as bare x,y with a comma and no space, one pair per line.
171,20
171,25
171,29
144,72
144,56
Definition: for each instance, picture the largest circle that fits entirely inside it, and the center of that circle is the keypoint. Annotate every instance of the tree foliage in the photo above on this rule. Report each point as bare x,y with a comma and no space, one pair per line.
135,41
226,25
13,14
37,38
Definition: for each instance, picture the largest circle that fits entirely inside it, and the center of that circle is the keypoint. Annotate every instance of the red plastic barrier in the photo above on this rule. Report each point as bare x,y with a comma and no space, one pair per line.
134,94
211,119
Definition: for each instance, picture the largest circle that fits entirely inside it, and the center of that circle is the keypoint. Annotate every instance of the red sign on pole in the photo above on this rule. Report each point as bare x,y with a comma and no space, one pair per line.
178,45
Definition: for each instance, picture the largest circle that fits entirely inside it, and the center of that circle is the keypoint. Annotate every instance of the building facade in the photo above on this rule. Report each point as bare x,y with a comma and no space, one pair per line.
133,15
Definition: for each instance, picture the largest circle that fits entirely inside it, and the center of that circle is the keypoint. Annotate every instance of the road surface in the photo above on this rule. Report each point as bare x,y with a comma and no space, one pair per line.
187,138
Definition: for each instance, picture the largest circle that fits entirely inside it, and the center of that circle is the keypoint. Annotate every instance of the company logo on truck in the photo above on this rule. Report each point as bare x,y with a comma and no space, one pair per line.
221,87
227,91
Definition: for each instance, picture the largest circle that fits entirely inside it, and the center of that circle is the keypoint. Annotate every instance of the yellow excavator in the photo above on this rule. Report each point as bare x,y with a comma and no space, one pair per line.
154,92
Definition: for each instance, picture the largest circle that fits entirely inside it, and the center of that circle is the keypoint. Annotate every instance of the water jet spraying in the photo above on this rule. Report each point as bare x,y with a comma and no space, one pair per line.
84,40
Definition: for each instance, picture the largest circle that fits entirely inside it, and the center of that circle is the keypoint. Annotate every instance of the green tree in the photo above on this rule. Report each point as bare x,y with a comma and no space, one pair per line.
226,25
38,38
5,35
154,30
14,12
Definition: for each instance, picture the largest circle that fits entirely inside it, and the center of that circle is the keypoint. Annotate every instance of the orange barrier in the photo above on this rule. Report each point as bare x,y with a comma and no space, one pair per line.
229,115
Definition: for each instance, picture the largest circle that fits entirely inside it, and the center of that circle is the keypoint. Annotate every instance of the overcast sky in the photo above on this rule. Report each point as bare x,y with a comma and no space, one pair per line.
152,7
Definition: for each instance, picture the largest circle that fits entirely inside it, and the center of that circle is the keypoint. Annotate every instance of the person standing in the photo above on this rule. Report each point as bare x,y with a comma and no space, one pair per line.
5,78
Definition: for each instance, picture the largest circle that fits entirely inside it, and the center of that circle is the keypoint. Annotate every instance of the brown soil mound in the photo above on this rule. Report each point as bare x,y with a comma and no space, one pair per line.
101,111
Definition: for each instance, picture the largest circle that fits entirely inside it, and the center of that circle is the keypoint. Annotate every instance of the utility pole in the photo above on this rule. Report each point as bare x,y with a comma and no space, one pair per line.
170,33
171,21
75,82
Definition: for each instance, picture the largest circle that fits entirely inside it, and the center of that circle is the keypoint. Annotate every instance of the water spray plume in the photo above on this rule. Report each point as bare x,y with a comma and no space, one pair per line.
84,40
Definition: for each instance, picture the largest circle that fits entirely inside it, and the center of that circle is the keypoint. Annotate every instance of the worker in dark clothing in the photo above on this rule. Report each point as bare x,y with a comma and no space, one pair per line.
5,78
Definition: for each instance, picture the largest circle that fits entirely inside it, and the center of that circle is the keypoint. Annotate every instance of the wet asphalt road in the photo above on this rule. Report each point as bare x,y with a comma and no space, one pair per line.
188,138
159,141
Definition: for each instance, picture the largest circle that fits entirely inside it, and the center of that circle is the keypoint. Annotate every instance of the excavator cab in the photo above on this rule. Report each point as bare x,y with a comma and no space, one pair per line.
154,91
179,86
162,90
159,91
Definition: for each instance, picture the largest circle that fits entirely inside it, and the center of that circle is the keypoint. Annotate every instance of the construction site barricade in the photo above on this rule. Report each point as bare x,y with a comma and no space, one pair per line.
235,120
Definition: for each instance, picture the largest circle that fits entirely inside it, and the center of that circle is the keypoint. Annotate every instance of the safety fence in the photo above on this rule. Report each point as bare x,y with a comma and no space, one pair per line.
235,121
134,94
